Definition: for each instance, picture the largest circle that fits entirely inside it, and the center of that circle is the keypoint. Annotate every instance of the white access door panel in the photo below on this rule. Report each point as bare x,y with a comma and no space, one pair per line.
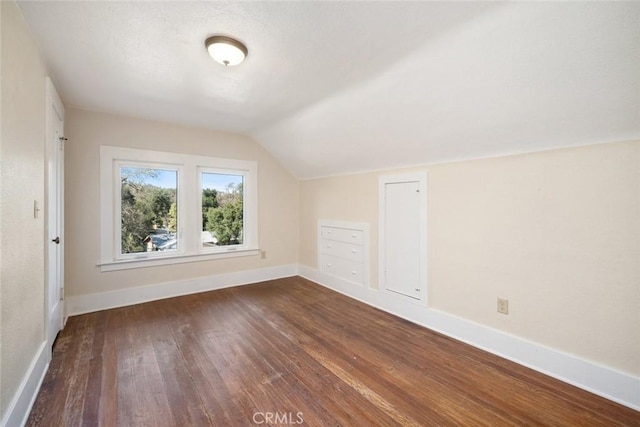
403,236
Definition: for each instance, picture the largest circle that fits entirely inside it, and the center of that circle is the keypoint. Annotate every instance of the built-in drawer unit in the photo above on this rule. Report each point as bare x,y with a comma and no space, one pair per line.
343,250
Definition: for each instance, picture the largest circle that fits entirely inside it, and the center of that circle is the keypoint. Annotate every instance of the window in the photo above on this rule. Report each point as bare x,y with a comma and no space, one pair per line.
222,209
148,209
159,208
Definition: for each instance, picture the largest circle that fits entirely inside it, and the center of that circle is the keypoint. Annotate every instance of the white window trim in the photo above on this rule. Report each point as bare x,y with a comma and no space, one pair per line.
189,207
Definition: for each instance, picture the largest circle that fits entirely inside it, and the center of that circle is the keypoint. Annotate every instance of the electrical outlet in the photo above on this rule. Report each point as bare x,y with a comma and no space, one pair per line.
263,254
503,306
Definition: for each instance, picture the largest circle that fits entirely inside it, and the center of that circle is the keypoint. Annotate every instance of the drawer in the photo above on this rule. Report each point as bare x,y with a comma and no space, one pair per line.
345,235
348,251
347,270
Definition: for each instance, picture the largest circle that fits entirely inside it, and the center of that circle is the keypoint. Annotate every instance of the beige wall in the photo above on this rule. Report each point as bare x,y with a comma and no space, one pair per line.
22,152
556,232
87,131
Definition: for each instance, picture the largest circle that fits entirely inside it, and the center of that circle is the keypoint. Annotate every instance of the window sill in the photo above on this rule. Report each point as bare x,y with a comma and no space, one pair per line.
173,259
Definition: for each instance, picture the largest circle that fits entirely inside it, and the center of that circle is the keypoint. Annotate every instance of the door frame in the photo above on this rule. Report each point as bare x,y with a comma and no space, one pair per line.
422,180
54,111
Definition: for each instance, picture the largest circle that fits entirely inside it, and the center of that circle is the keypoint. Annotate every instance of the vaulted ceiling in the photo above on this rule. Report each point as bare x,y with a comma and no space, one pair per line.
341,87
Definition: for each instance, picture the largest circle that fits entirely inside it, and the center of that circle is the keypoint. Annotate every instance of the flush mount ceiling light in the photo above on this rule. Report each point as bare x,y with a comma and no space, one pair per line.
225,50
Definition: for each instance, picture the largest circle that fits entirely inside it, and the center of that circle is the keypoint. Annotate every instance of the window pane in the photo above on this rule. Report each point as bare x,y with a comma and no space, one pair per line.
222,209
149,210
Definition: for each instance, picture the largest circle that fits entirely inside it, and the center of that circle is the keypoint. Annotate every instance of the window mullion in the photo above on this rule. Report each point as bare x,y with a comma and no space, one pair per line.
188,223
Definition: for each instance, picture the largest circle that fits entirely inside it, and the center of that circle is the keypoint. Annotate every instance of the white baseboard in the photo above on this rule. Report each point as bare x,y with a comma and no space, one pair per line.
123,297
18,411
608,383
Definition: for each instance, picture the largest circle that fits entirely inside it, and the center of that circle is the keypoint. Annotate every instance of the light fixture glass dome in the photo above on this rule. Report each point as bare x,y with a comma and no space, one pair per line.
225,50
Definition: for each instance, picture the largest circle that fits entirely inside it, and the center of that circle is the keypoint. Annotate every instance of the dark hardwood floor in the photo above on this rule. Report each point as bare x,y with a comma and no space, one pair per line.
290,352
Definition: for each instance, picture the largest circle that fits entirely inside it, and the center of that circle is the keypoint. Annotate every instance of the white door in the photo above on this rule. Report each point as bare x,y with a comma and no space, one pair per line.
54,213
403,236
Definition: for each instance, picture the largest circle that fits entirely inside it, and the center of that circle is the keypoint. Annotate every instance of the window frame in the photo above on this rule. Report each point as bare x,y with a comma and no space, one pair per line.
246,205
189,206
117,220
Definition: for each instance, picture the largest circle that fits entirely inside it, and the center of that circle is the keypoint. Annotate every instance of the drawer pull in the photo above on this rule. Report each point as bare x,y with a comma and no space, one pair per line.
354,235
355,251
328,264
354,272
329,246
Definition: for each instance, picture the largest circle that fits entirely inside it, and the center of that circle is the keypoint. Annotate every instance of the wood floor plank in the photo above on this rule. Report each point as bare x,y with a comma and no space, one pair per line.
307,377
353,367
108,408
268,353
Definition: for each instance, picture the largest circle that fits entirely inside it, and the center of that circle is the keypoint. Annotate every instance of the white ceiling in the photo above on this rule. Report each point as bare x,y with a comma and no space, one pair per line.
340,87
